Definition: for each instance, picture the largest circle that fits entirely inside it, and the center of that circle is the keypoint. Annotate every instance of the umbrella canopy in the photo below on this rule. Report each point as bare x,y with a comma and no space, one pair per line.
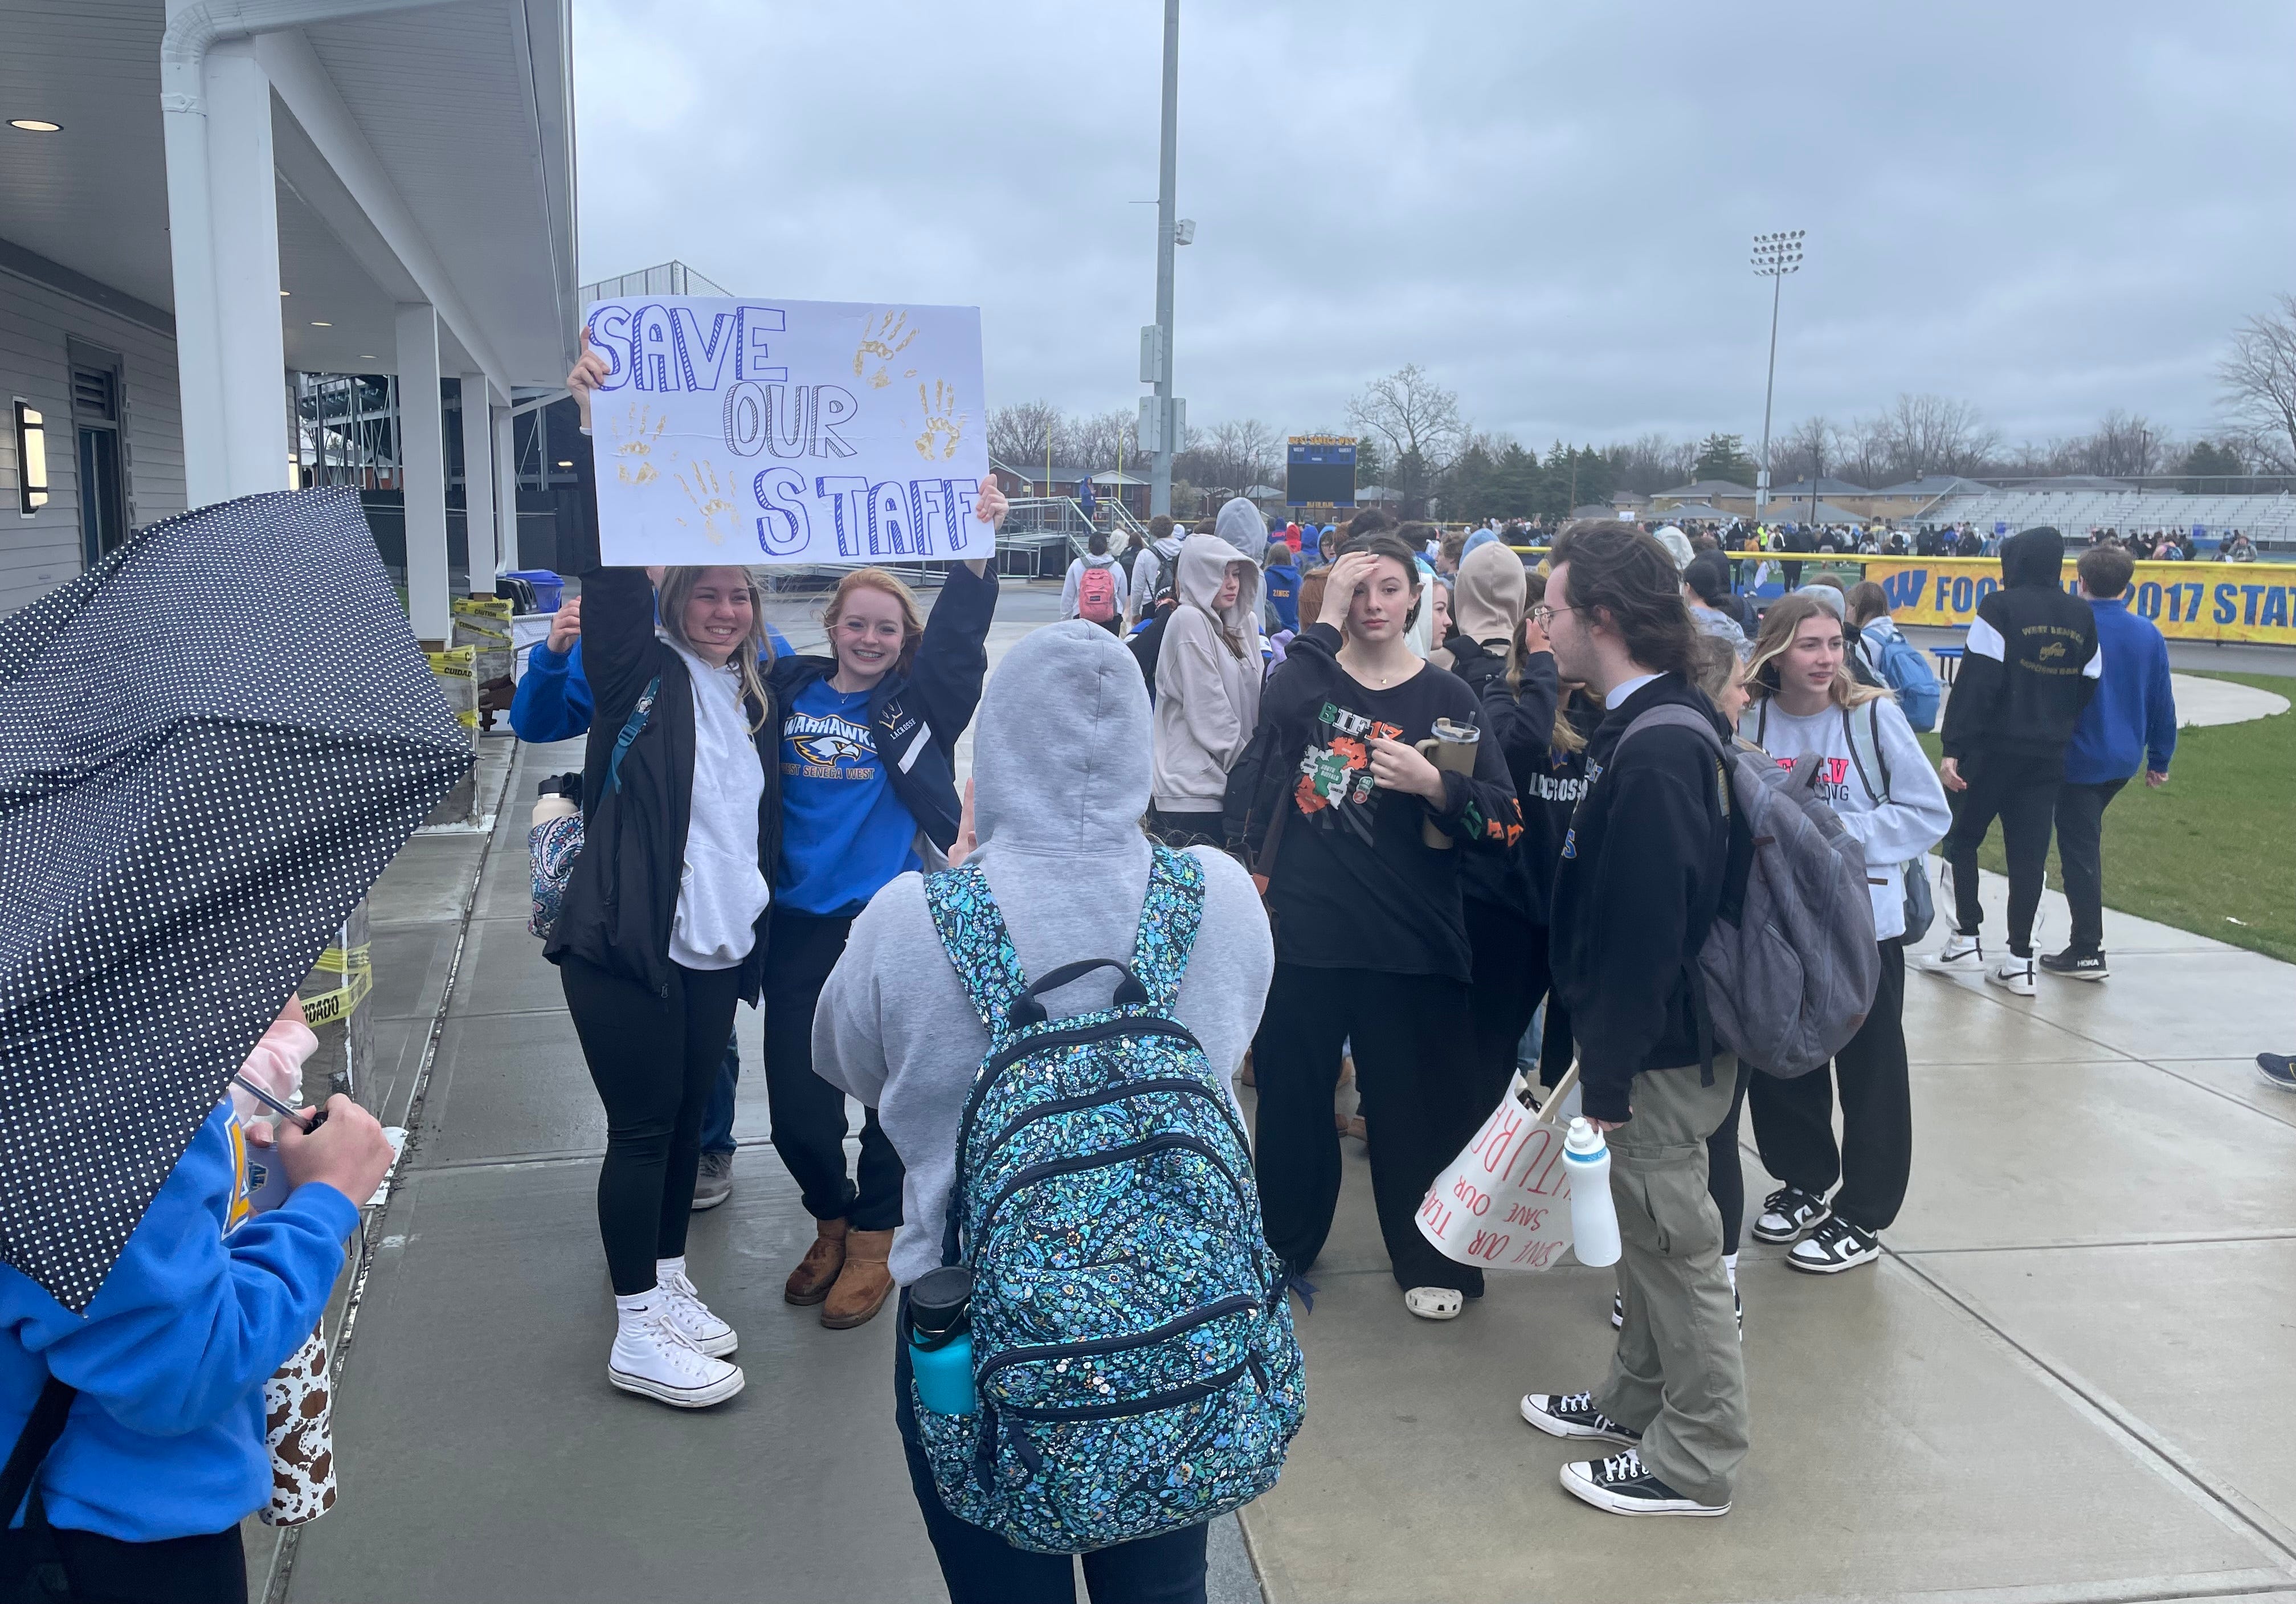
211,744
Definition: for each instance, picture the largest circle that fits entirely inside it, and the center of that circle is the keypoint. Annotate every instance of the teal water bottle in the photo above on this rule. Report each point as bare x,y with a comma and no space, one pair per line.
940,1339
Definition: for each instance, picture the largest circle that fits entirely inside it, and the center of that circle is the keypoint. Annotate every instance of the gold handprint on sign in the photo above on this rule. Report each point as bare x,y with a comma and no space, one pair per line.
716,510
634,443
881,340
939,404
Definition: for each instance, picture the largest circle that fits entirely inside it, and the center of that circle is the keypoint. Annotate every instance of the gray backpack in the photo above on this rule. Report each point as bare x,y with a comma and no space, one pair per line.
1789,970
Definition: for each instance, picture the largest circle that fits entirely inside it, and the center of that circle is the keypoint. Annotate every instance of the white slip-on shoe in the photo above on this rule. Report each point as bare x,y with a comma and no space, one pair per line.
653,1358
682,1307
1435,1302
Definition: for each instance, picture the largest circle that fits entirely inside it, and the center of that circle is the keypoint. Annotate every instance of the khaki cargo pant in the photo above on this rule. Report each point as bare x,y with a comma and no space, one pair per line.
1679,1376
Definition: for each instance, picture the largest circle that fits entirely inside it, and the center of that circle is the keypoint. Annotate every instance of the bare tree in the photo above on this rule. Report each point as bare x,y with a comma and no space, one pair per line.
1417,424
1232,458
1934,434
1019,435
2122,445
2258,383
1092,442
1807,451
1652,463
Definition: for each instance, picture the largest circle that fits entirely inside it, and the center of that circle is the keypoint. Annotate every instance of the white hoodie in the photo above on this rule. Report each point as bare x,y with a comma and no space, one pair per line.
1076,575
1877,779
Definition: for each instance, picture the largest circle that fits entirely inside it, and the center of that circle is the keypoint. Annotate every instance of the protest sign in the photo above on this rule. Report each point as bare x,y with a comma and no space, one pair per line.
746,430
1505,1203
2252,602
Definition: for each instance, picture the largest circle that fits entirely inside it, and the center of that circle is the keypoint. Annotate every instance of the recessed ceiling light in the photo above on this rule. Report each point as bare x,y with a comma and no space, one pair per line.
36,125
322,325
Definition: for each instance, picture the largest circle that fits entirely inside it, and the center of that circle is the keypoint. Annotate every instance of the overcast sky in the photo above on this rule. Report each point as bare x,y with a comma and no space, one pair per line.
2046,210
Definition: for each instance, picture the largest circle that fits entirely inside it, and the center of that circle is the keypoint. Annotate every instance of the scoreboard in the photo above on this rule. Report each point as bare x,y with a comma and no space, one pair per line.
1320,469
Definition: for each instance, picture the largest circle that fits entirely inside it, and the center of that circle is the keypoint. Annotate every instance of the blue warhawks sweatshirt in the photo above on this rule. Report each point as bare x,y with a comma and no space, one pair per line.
2134,710
166,1437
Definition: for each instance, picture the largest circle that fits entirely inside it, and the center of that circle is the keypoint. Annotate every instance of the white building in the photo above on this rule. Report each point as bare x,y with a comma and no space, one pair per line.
201,198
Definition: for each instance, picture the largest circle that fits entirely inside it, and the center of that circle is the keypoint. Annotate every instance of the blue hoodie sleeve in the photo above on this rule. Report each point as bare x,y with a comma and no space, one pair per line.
2159,711
189,1321
552,702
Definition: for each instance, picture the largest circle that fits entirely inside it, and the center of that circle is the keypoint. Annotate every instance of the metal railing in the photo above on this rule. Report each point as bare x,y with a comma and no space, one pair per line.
1042,530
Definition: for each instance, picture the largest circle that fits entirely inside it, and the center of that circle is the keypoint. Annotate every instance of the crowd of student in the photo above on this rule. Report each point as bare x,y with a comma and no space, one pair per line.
1364,798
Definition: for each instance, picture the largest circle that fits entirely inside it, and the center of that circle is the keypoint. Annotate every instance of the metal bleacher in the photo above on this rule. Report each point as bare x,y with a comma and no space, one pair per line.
2268,520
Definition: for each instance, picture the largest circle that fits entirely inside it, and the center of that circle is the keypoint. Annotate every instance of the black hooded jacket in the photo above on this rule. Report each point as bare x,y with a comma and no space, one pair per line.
2032,663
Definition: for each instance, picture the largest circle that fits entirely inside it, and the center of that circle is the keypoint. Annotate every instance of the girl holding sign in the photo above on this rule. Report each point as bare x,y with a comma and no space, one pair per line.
868,792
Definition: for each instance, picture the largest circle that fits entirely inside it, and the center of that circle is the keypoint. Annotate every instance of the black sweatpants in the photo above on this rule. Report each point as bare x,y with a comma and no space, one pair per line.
2081,855
654,1061
2022,792
212,1569
1793,1120
808,1113
1412,1036
1180,831
1510,977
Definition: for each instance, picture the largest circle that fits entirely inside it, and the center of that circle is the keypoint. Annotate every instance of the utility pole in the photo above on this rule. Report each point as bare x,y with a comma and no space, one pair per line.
1160,478
1775,255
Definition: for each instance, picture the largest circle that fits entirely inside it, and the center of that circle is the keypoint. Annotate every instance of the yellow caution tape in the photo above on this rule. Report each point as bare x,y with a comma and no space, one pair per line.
490,606
456,663
357,968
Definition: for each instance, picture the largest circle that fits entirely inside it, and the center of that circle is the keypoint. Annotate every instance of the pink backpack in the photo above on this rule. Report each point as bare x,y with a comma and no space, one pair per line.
1096,593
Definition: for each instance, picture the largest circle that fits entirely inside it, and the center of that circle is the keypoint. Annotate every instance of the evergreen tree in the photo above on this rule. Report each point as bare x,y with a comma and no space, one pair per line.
1723,456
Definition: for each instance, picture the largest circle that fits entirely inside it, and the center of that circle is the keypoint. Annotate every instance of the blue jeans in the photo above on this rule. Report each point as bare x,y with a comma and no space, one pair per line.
718,1119
981,1568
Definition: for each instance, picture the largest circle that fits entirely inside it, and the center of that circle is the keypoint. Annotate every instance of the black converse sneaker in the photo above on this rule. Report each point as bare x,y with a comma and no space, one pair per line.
1790,1212
1623,1485
2076,965
1574,1415
1834,1246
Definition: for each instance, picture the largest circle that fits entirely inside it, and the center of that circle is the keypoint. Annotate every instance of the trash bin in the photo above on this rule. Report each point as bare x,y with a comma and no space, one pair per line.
546,586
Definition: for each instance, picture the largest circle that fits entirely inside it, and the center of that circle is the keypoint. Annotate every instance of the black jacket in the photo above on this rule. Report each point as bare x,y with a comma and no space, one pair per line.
1635,895
917,716
621,898
2031,662
1522,722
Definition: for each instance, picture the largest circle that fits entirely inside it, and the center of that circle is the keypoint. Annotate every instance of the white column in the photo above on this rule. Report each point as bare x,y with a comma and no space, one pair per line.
423,464
479,483
223,240
506,491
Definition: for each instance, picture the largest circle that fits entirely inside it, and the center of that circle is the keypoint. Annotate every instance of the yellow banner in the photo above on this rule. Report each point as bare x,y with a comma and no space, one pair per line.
2189,601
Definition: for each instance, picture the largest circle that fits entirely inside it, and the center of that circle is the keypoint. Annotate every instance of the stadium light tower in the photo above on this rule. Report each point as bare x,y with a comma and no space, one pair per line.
1775,255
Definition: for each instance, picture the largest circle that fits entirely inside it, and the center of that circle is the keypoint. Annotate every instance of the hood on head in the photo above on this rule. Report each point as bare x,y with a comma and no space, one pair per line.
1203,568
1677,546
1241,525
1062,748
1487,600
1827,597
2037,556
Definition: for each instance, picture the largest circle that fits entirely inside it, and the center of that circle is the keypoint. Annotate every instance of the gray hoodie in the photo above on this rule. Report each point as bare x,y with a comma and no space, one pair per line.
1061,780
1207,689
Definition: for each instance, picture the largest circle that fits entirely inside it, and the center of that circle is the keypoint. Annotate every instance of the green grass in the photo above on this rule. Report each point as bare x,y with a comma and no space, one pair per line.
2211,851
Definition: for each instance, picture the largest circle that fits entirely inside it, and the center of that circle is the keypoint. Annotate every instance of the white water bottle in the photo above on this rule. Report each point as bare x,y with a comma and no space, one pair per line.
1594,1221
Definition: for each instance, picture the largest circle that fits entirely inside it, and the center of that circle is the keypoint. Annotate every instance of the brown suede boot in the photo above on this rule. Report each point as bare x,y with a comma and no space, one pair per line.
863,1282
817,1272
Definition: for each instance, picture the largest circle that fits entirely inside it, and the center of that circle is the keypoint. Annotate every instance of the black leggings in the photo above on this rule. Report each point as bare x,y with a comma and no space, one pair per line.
1726,1171
654,1061
809,1113
175,1570
1793,1120
1413,1041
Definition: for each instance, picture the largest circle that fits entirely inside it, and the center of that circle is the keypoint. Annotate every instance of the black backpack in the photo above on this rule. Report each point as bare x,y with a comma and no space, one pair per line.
1147,642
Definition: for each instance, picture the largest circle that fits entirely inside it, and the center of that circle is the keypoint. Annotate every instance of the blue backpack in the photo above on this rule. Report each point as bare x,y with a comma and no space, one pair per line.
1908,673
1132,1347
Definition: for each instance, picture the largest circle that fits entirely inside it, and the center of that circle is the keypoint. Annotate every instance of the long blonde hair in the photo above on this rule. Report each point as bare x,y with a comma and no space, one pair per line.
1787,614
677,585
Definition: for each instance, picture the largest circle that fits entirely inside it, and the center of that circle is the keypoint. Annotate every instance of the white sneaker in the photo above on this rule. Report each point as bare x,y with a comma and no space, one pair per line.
1960,955
682,1307
2014,973
655,1359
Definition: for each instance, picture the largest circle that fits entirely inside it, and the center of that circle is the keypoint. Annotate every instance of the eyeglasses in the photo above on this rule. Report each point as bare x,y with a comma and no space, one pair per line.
1542,613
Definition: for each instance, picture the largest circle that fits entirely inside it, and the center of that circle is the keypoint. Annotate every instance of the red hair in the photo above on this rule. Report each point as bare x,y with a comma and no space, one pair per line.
912,622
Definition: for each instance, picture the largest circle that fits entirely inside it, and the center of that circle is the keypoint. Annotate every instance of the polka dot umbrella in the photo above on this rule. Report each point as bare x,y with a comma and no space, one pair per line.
211,744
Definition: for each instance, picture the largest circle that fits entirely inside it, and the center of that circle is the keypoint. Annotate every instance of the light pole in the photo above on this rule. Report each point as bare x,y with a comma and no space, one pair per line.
1775,255
1160,476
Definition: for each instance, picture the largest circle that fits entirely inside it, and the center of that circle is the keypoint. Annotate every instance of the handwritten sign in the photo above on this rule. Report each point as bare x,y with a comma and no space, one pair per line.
1505,1203
745,430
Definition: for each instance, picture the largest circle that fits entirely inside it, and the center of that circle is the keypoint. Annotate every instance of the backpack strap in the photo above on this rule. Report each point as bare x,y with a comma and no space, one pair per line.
1169,918
972,933
1874,732
42,1428
631,726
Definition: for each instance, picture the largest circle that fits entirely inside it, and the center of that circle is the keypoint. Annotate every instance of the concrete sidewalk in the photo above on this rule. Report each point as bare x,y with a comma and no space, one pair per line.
2070,1379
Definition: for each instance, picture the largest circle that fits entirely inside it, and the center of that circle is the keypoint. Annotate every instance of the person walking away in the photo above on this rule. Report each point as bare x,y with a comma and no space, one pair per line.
163,1451
1640,879
1503,902
1280,576
553,703
1875,776
1063,777
1152,569
2029,670
1208,688
1371,939
662,929
1889,659
868,786
1095,589
2130,722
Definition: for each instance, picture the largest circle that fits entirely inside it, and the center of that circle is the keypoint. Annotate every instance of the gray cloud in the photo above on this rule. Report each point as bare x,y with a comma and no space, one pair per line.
2046,210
